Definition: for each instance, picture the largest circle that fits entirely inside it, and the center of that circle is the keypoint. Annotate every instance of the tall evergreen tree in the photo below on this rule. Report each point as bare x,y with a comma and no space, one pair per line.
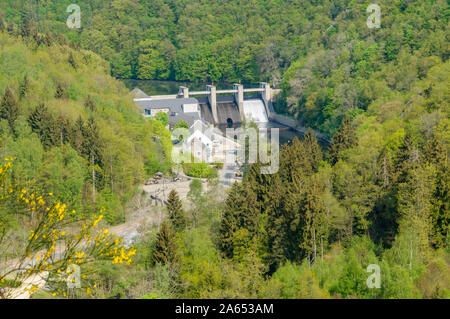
435,153
406,158
60,90
40,121
77,135
9,108
344,138
177,215
91,148
24,86
165,247
241,211
27,27
314,222
72,61
312,149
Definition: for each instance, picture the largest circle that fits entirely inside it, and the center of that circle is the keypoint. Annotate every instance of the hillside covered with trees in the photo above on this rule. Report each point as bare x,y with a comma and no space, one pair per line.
326,59
72,129
378,195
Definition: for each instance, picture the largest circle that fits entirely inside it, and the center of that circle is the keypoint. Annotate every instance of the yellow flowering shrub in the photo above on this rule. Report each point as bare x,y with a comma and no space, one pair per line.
52,247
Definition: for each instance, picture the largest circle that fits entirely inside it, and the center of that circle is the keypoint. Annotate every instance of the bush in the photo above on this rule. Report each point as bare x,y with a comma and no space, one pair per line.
162,117
199,170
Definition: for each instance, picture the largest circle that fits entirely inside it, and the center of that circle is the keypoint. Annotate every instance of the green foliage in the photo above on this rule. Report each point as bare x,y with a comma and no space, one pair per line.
163,118
176,212
75,131
181,124
199,170
165,247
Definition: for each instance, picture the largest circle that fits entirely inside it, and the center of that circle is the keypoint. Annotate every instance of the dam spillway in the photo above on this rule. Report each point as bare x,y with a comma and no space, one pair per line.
254,110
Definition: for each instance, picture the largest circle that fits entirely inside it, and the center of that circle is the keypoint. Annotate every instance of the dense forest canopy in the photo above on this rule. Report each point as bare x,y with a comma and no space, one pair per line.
73,129
326,59
379,194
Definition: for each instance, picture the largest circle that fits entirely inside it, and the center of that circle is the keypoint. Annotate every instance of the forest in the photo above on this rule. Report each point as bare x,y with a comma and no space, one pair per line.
377,195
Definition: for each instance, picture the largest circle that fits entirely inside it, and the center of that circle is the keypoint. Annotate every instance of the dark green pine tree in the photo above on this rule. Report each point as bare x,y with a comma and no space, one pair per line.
24,86
27,27
292,165
77,135
72,61
344,139
406,159
241,211
9,108
40,121
177,215
60,90
91,145
440,214
312,149
314,222
435,152
63,130
165,247
277,225
91,149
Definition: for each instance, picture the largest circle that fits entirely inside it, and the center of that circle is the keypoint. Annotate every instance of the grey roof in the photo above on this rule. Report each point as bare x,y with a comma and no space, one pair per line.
190,118
175,105
137,93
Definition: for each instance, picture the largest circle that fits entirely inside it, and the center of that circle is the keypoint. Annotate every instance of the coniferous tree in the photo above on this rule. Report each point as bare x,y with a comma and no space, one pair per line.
40,121
314,222
165,247
24,86
9,108
77,135
176,212
414,206
344,138
312,149
64,130
91,148
435,153
27,27
406,158
72,61
240,211
60,90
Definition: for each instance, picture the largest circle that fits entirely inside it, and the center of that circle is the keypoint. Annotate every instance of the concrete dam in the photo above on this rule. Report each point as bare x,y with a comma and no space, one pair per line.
216,107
